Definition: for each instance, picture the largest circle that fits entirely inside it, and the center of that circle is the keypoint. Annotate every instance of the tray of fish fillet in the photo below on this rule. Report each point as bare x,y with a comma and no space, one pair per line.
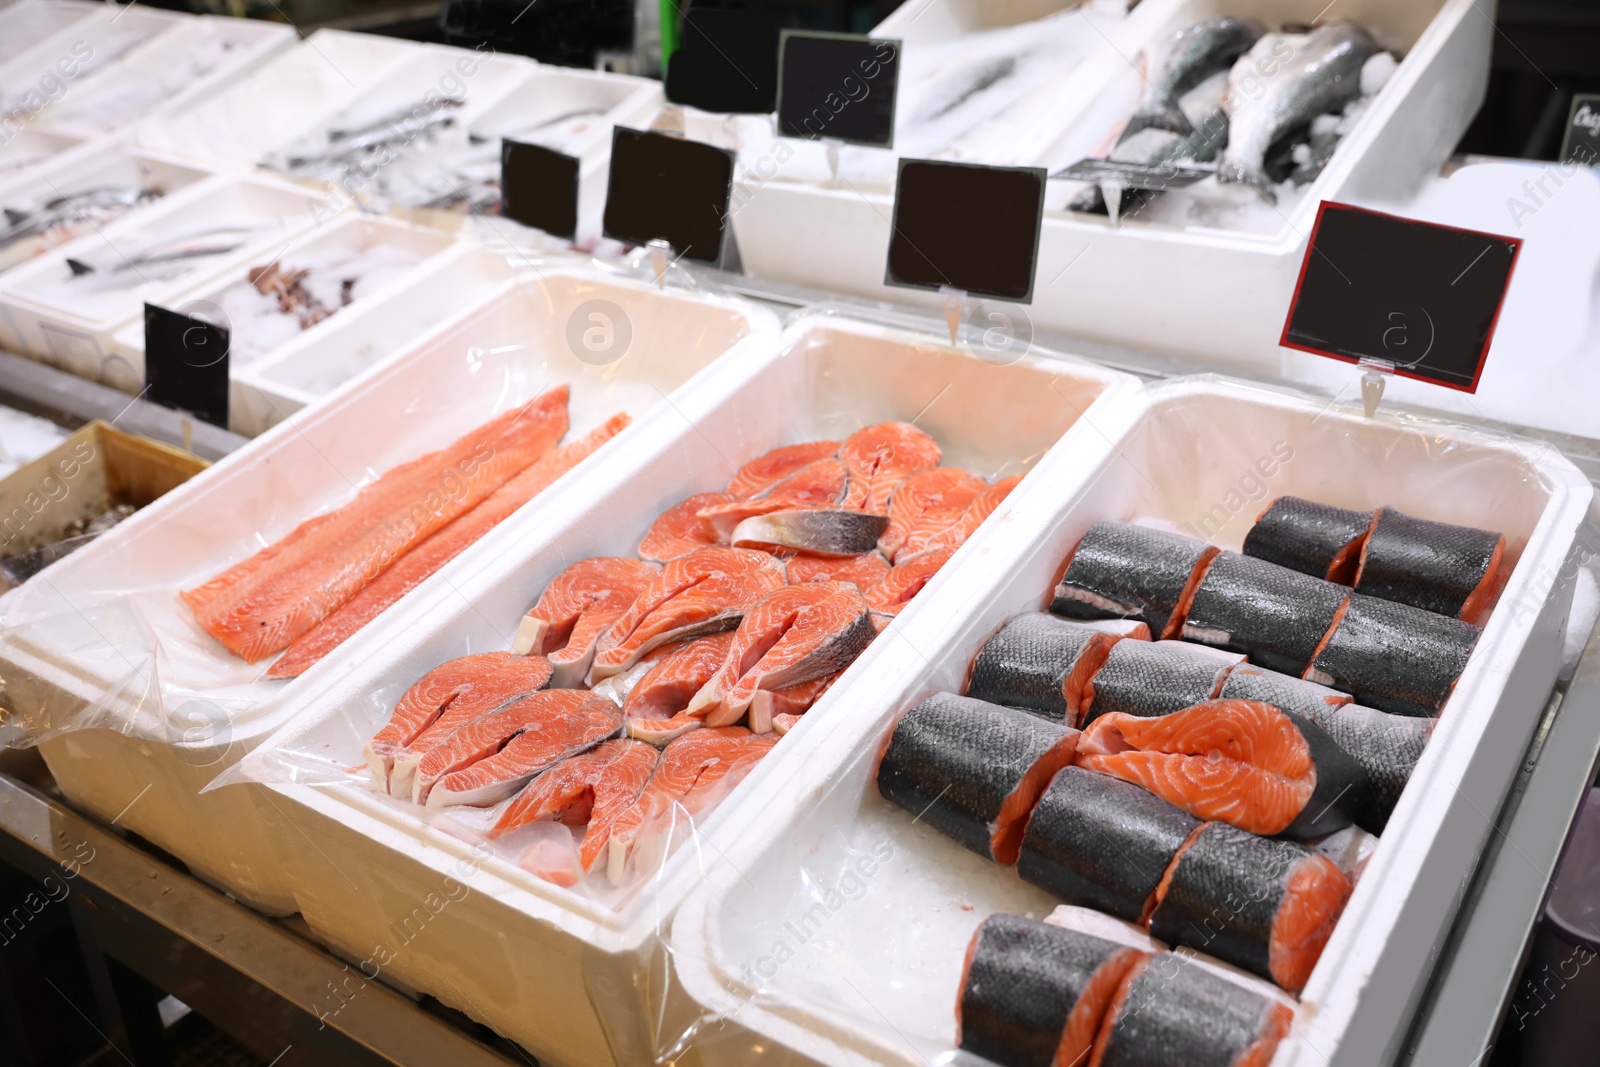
583,715
1188,781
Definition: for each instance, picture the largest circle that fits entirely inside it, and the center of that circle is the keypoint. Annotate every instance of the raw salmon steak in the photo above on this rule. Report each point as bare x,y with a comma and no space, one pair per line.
836,532
905,580
881,457
260,606
863,571
797,634
1451,570
1312,538
1033,995
462,689
654,710
1238,761
766,471
417,565
1120,570
788,704
818,485
956,534
1394,657
1266,905
973,771
692,773
576,608
1155,677
927,502
1099,842
1172,1010
1040,663
495,755
704,592
1275,616
569,791
679,530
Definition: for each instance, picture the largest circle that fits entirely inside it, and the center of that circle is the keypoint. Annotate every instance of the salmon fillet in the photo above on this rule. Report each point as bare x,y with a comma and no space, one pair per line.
679,530
578,606
331,558
817,485
767,470
880,457
863,571
926,503
906,580
654,710
1450,570
956,534
420,563
569,791
770,705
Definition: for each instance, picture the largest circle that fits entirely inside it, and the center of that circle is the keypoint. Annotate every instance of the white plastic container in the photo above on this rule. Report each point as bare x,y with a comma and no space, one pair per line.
569,976
67,321
290,95
28,22
26,152
170,73
1215,295
79,58
114,165
397,311
873,976
150,709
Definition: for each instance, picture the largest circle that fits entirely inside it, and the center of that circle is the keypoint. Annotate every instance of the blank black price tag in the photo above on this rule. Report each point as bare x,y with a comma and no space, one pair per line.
666,188
539,188
1581,144
186,364
837,87
728,60
966,227
1422,297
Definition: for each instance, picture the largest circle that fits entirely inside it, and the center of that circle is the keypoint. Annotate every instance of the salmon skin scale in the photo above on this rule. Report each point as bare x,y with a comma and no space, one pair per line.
1102,843
1039,663
1394,657
1449,570
1275,616
1316,539
1387,747
1171,1010
1123,571
1026,983
1156,677
972,770
1284,691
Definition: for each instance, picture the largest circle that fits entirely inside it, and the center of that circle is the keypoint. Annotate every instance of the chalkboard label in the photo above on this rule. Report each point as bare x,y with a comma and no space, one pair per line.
728,60
539,188
1582,141
670,189
1420,297
838,87
966,227
186,363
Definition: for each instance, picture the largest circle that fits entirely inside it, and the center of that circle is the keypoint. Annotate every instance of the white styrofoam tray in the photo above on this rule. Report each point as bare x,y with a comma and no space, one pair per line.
399,307
285,98
565,973
1209,295
154,708
69,321
24,153
114,165
80,57
28,22
873,976
170,73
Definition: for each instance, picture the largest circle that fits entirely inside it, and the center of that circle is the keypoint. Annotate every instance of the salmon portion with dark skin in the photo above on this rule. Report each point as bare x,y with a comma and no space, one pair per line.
1239,761
768,469
679,530
1121,570
1171,1010
1449,570
1275,616
1042,663
1156,677
1394,657
879,458
1316,539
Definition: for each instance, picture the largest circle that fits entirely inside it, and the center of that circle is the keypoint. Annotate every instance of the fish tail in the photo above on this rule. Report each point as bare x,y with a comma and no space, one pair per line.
1170,118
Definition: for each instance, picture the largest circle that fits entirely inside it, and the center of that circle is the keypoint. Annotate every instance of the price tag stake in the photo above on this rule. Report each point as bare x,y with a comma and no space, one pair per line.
186,361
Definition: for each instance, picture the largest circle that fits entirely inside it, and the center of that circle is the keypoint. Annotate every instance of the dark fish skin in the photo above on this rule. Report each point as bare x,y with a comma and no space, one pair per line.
1387,747
1314,702
1028,663
953,762
1394,657
1023,979
1192,54
1151,678
1342,787
1099,842
1430,565
1123,571
1316,539
1224,892
1273,615
814,531
1173,1011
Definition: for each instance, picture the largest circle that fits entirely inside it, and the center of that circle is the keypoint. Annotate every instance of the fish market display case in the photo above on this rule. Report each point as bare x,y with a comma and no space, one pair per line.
571,973
402,280
131,699
1208,290
876,980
